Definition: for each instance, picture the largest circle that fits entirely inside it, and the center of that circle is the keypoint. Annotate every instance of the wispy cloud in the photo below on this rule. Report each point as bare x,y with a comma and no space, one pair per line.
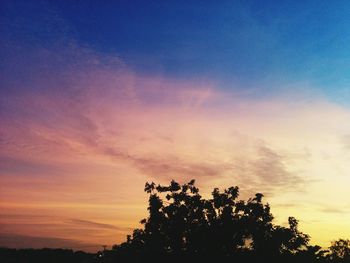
332,210
92,224
271,171
345,140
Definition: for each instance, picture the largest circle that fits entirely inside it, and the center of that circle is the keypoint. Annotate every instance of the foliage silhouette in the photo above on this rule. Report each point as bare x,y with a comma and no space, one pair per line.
183,225
340,250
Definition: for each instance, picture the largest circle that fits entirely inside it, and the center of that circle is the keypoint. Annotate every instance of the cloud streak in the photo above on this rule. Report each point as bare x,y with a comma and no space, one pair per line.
91,224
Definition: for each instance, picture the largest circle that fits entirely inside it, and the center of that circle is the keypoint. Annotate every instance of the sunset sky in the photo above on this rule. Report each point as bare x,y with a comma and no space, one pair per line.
97,98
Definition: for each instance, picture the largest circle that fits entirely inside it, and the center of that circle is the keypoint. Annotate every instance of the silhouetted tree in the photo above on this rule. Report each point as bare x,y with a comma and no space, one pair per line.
183,224
340,250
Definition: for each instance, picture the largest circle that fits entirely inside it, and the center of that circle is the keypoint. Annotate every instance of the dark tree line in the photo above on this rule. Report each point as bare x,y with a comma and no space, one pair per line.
182,225
45,255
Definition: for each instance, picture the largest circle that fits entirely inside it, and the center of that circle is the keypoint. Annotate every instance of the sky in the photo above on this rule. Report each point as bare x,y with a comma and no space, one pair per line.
97,98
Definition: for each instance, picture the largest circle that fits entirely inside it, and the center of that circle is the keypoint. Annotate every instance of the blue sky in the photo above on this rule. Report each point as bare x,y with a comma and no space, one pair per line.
265,45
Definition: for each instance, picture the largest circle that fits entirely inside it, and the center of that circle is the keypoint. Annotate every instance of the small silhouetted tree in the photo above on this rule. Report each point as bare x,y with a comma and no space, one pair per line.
340,250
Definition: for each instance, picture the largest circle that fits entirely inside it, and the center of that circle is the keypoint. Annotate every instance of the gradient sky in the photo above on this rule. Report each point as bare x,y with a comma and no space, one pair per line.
99,97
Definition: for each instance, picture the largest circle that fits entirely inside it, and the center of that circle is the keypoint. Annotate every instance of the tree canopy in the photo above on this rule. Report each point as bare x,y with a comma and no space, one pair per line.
183,224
